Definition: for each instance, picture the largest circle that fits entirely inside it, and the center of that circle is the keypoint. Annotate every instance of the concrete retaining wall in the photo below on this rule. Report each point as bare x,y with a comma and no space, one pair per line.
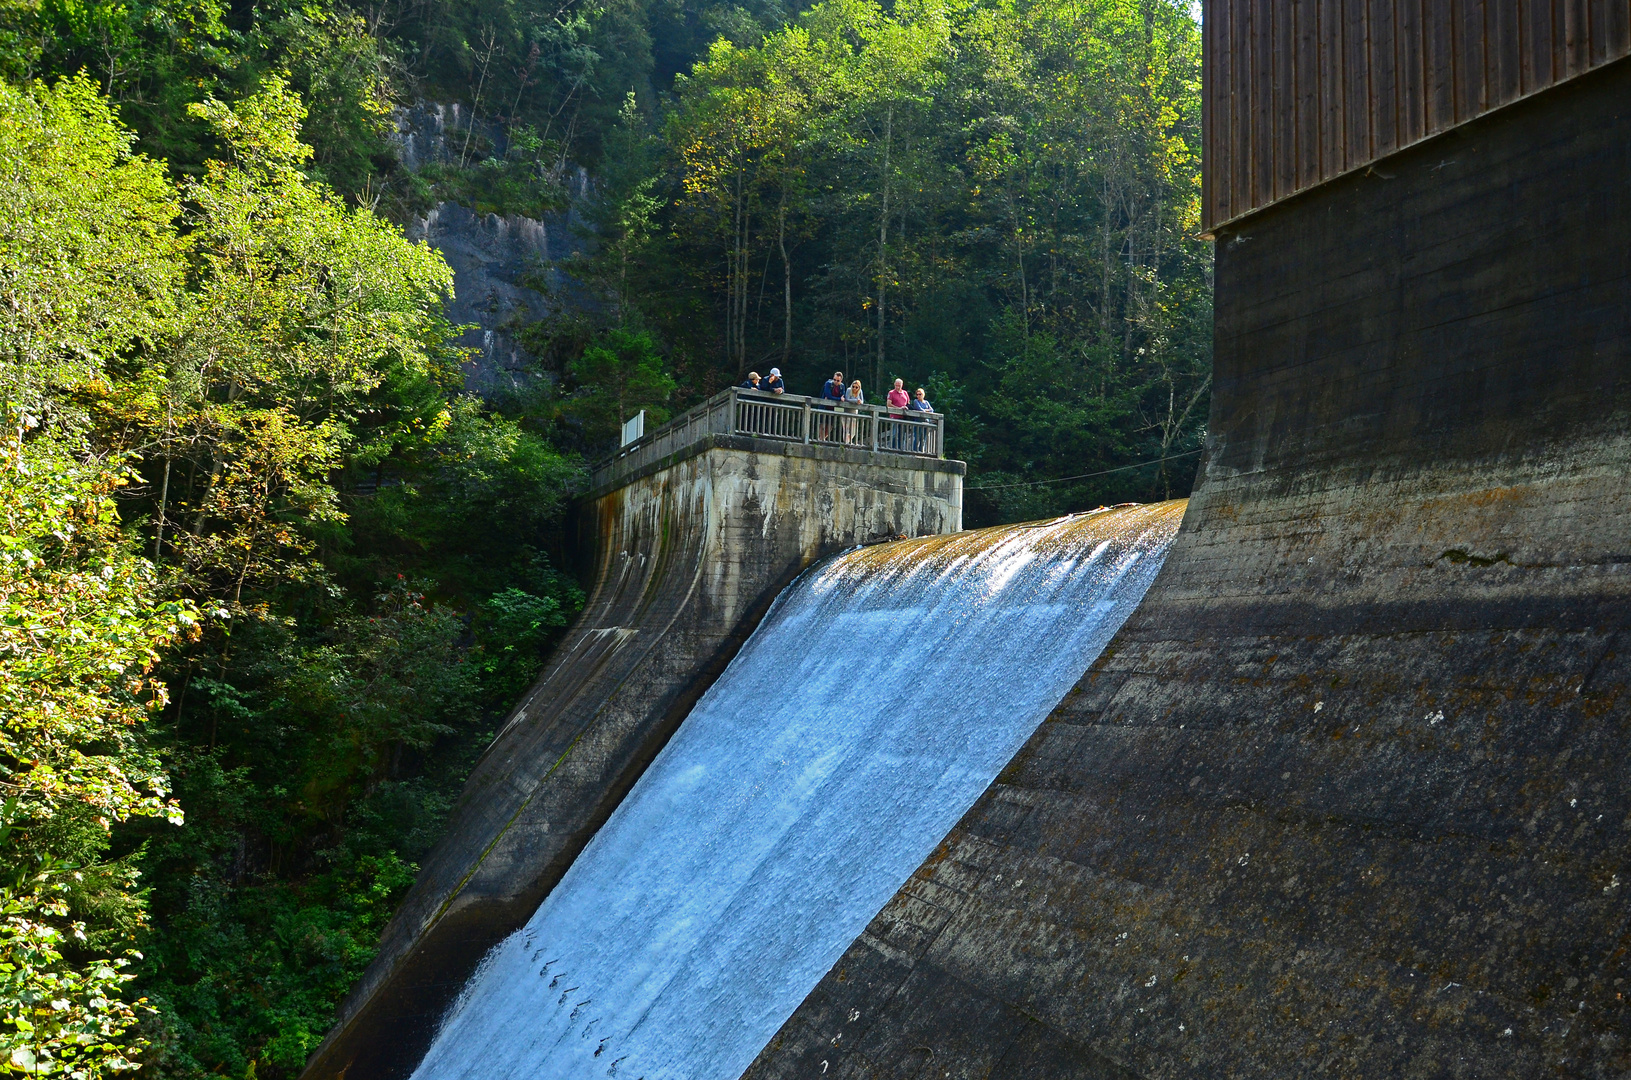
691,551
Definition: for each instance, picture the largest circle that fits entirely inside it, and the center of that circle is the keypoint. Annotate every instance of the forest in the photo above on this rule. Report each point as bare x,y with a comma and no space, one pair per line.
270,577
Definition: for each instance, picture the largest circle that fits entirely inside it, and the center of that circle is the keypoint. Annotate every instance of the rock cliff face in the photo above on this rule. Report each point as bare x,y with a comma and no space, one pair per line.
1349,794
498,261
495,261
691,551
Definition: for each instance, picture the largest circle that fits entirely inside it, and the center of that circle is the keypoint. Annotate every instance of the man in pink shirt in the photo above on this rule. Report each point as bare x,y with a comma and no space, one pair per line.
898,399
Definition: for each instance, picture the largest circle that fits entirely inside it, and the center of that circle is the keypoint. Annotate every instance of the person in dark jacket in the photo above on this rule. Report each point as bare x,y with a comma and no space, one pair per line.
832,392
752,382
774,384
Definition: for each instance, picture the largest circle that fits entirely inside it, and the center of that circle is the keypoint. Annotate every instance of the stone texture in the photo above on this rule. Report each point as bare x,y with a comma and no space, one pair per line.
691,552
499,261
1348,795
496,260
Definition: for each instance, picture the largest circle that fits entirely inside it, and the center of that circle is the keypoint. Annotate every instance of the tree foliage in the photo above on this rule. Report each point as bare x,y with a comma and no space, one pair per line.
237,456
999,197
82,623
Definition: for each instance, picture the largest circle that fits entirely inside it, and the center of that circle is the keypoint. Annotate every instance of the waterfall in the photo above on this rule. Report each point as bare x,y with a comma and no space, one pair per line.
881,695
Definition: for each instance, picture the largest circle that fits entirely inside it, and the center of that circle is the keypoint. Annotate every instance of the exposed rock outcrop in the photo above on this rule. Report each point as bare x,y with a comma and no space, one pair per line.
506,268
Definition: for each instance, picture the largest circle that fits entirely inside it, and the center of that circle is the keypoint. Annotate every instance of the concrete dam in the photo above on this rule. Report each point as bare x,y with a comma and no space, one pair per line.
877,700
1343,794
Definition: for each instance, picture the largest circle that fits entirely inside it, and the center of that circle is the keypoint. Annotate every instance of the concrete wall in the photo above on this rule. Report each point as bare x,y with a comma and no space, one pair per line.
691,551
1350,794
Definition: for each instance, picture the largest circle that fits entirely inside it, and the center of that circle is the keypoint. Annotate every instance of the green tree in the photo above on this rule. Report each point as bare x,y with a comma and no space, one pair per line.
89,271
622,216
890,69
615,378
302,323
90,265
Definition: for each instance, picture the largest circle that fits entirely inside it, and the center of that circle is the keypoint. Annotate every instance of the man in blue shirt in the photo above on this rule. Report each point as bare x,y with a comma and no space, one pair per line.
826,428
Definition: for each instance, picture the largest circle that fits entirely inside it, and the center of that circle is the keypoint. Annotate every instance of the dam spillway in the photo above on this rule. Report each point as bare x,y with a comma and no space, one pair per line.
692,541
879,697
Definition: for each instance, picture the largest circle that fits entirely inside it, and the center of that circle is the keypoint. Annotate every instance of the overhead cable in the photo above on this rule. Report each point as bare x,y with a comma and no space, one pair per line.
1084,476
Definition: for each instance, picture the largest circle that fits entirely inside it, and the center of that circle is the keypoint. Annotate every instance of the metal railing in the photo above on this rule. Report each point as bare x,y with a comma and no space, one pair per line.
787,418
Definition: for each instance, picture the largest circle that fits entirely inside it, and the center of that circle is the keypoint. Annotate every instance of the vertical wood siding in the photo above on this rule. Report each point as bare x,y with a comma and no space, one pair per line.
1300,91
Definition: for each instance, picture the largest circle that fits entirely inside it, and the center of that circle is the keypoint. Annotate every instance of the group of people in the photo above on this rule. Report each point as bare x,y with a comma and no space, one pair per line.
771,384
901,406
835,390
897,398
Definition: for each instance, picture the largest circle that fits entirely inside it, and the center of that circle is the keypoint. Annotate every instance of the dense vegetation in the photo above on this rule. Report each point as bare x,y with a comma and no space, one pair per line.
269,578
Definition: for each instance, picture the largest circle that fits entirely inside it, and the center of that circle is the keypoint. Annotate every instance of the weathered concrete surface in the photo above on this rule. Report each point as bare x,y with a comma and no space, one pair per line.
691,552
1348,796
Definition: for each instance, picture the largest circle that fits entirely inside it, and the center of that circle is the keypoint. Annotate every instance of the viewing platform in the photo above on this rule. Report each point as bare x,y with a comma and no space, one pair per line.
742,418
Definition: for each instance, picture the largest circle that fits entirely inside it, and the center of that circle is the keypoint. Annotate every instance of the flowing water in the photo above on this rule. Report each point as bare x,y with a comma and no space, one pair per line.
882,694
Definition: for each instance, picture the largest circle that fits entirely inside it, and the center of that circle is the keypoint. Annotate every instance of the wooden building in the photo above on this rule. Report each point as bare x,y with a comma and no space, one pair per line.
1299,92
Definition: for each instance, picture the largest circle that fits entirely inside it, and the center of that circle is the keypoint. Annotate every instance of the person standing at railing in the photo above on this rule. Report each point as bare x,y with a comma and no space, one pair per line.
853,399
774,384
832,392
920,403
747,415
897,399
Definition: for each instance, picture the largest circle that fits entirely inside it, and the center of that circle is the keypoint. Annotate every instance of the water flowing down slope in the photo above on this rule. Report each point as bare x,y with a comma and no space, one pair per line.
878,699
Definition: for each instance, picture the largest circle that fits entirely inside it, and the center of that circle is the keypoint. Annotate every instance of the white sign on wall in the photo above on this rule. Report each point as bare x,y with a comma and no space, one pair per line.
635,427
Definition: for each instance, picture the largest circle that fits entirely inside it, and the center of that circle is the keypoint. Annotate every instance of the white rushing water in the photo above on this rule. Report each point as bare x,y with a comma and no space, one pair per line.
881,695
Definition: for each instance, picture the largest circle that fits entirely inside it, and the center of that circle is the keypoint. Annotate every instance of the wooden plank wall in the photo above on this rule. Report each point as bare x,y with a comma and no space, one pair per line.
1300,91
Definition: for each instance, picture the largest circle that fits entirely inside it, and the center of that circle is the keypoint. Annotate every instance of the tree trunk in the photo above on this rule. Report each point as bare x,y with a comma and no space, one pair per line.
733,279
164,499
883,243
164,490
1024,286
209,486
787,279
737,345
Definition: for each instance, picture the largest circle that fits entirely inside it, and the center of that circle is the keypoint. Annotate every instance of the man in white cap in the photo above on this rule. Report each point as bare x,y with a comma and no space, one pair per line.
774,384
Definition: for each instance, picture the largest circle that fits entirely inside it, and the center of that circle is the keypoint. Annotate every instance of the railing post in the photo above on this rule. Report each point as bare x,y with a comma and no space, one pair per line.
806,419
875,426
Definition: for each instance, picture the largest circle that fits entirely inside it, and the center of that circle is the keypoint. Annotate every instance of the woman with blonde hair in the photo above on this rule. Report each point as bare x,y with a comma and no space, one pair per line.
854,399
